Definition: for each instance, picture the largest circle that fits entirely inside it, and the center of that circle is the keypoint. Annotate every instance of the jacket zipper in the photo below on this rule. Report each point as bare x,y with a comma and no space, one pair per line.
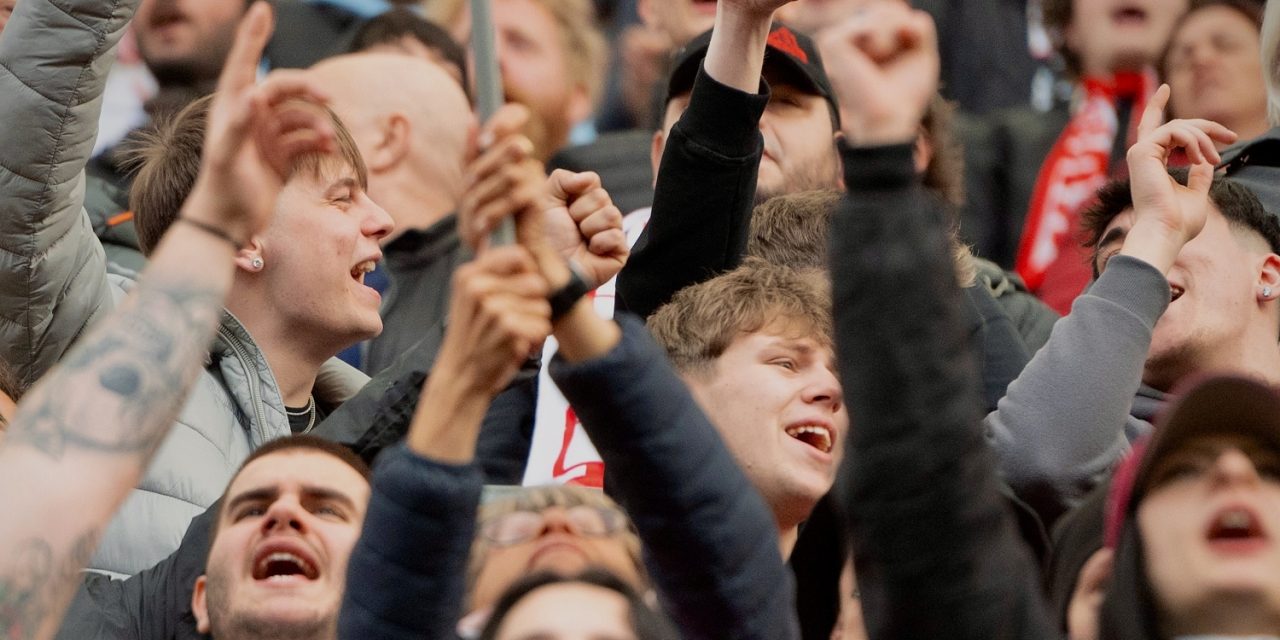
251,374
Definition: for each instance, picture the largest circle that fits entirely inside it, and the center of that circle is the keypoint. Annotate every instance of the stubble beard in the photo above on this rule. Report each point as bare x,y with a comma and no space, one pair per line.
226,623
815,175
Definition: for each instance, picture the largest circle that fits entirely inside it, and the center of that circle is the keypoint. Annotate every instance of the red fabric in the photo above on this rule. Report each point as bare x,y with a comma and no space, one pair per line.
1120,492
1050,258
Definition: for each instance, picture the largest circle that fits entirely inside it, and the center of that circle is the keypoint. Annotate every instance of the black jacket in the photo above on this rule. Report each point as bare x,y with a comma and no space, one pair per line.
938,553
703,198
710,543
420,265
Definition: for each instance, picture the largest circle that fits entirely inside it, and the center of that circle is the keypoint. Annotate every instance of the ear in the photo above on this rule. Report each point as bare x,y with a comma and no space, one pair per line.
199,607
392,144
246,255
1269,278
656,146
923,153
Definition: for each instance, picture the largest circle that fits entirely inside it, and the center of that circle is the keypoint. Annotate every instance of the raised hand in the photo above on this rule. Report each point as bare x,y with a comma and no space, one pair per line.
505,179
254,134
498,317
1167,214
584,226
883,64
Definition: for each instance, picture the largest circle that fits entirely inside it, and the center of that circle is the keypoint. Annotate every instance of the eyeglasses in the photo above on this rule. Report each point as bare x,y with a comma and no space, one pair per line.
521,526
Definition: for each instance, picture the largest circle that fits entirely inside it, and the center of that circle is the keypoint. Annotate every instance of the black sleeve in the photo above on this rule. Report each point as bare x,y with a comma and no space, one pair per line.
938,553
1003,353
703,198
407,574
379,415
155,603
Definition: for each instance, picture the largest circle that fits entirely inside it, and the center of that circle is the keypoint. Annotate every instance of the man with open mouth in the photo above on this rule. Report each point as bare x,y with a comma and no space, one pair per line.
281,540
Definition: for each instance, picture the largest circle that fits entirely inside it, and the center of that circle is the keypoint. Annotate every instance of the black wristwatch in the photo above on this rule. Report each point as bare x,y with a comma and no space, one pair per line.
563,299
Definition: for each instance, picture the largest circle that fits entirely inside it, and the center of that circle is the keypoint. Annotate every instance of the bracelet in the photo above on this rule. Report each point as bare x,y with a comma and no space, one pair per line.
210,229
568,295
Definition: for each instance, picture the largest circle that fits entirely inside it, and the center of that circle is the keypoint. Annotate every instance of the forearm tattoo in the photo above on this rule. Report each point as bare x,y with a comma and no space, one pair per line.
119,390
115,394
33,577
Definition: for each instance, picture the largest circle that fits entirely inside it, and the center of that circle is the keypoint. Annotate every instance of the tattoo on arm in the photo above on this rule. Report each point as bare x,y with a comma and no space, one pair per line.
119,391
34,581
115,395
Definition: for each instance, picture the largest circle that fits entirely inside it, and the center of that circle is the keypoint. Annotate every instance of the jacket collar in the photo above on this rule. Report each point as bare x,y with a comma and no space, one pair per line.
252,387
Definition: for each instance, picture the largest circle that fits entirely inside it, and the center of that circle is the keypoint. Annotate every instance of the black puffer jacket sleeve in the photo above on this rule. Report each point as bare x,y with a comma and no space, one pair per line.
703,197
938,554
710,542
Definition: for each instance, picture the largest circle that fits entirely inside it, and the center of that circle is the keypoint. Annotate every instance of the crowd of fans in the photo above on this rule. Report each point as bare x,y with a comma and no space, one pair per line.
953,320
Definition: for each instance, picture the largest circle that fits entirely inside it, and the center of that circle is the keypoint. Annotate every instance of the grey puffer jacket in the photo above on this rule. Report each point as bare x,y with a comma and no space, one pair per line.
54,59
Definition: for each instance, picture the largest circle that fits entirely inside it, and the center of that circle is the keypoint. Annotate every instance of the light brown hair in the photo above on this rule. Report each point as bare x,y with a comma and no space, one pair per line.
701,321
167,158
792,230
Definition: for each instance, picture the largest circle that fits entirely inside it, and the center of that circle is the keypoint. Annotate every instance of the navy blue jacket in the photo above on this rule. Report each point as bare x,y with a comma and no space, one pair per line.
711,546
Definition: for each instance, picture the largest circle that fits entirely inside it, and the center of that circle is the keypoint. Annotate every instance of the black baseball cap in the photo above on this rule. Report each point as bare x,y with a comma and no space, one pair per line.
787,49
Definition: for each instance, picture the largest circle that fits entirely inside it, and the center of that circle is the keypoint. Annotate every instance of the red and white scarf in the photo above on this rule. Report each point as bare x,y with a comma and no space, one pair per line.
1050,258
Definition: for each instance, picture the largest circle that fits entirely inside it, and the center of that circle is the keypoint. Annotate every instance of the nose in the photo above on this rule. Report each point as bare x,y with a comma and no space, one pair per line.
823,388
556,519
377,223
283,514
1234,468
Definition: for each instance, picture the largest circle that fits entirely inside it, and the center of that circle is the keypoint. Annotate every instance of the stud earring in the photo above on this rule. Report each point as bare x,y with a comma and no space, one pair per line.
1266,293
256,263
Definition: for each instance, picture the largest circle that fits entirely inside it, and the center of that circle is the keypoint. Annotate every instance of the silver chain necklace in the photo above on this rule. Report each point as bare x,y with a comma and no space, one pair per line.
309,411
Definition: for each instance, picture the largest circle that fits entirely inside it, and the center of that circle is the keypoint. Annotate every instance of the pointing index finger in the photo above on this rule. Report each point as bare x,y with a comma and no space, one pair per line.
241,67
1153,115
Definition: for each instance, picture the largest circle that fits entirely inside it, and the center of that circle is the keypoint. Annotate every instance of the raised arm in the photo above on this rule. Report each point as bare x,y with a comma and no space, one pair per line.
706,182
421,516
54,59
938,554
83,437
1063,422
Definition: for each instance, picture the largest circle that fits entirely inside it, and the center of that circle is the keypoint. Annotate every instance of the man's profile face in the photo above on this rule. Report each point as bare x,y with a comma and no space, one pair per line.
322,240
186,41
799,141
774,397
1214,283
277,565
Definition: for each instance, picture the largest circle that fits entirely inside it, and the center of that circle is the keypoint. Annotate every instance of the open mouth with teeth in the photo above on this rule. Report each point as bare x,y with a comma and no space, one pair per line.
358,272
283,565
816,436
1176,292
1235,528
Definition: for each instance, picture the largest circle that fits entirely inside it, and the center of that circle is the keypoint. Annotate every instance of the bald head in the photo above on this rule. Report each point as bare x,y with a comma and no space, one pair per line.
411,121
